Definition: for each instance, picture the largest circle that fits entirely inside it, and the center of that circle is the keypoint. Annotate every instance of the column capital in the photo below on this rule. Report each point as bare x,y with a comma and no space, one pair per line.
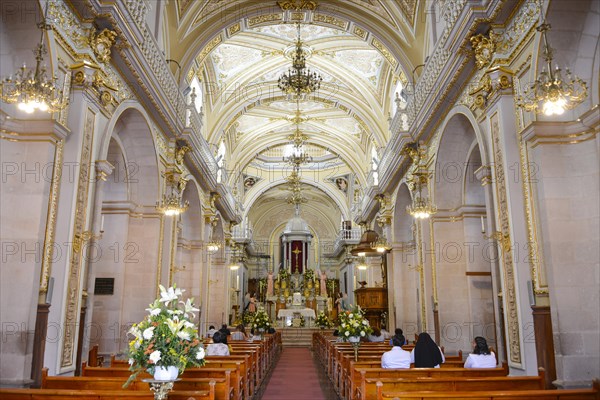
103,169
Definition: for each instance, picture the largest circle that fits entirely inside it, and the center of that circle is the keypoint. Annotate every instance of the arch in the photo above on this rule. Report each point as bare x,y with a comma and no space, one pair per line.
131,125
402,221
458,135
191,220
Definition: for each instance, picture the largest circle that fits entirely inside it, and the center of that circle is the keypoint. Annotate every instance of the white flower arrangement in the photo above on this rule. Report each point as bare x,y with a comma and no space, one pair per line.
353,323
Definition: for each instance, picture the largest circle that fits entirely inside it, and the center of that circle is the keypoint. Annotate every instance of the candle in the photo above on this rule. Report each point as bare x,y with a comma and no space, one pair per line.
102,224
237,282
354,281
482,225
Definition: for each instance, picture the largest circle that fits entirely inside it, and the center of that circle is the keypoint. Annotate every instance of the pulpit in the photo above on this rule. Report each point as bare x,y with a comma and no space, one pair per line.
374,301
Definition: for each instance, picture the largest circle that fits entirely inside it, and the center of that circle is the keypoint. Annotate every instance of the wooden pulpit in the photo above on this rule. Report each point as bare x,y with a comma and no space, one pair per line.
374,301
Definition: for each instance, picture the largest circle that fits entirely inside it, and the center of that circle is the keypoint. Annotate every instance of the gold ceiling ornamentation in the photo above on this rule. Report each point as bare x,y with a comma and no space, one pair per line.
484,48
209,47
384,52
101,44
261,19
298,5
233,29
328,19
360,32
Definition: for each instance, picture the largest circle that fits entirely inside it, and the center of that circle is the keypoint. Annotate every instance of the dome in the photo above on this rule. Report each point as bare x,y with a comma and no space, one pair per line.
296,224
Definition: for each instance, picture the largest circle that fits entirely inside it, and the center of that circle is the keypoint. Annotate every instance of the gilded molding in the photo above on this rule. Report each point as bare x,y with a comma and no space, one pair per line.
261,19
328,19
161,239
51,220
75,265
509,288
484,49
534,248
233,29
384,52
209,47
101,44
360,32
298,5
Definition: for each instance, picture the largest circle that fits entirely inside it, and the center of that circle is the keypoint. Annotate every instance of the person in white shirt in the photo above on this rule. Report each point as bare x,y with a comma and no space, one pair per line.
219,346
397,357
426,353
211,331
376,336
481,357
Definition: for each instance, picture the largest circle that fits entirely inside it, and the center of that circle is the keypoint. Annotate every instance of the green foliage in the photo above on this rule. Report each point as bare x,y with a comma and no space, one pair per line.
166,337
353,323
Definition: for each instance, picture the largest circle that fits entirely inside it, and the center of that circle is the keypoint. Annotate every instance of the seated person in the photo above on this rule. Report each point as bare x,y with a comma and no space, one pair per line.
225,330
240,333
386,334
481,357
254,335
211,331
398,332
219,345
376,336
426,353
271,330
397,357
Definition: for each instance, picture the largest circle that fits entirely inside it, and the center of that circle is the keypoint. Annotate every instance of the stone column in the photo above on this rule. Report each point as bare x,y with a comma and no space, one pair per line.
103,169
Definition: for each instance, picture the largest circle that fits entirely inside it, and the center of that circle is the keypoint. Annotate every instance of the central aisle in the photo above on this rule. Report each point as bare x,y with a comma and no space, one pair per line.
295,377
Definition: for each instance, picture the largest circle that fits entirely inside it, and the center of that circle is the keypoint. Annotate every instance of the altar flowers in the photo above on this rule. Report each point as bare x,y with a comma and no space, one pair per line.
166,337
261,320
352,324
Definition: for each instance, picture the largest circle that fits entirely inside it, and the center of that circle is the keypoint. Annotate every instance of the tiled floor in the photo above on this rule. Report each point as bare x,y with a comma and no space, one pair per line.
298,376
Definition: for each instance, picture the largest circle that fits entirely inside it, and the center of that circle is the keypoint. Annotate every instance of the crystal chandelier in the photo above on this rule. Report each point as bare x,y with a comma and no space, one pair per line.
31,89
213,245
381,245
552,93
421,207
172,203
299,81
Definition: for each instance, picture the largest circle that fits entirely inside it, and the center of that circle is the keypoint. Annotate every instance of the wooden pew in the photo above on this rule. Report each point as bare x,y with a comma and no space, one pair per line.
572,394
449,384
94,359
60,394
222,388
358,383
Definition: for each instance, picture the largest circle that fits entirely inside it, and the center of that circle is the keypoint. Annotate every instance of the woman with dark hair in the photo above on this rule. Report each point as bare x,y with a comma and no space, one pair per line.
426,353
240,333
481,357
219,345
376,336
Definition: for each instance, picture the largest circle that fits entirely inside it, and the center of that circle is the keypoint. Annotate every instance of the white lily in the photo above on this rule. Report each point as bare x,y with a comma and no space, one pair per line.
168,295
174,325
135,332
189,308
183,334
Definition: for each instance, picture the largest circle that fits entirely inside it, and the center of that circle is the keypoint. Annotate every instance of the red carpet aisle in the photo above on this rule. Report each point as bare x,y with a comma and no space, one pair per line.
295,377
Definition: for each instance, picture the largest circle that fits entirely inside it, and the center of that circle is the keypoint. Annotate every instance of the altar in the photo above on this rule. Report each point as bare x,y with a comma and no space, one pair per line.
286,315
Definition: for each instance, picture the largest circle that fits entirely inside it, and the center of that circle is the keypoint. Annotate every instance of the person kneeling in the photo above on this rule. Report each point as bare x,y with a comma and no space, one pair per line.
397,357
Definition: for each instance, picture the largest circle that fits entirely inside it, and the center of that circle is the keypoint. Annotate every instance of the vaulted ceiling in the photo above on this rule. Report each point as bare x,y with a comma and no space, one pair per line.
239,49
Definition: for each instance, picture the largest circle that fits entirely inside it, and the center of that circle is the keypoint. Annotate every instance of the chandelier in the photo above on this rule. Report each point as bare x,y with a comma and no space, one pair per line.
381,245
421,207
31,89
362,263
213,245
172,203
299,81
552,93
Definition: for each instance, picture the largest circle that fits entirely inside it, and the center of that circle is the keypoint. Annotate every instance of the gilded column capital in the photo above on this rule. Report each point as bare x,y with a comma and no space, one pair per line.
103,169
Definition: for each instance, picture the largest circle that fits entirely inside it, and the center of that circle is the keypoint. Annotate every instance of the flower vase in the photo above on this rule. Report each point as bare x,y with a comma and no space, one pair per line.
169,373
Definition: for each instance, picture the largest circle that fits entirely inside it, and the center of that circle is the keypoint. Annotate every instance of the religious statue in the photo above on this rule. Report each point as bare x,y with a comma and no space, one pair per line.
323,284
270,284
